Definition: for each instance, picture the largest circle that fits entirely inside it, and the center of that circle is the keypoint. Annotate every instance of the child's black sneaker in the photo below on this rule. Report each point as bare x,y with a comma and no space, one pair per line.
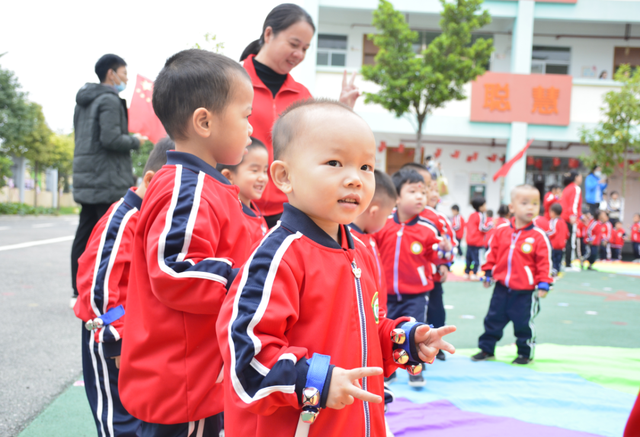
417,380
441,356
483,356
521,360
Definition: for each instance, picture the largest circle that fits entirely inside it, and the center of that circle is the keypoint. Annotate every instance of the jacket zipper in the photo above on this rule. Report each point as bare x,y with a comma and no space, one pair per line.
514,238
396,261
363,337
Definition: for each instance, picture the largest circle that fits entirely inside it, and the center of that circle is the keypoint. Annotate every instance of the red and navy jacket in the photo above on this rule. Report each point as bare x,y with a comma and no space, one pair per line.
190,234
548,200
519,259
487,237
255,222
581,229
617,238
266,110
558,233
593,233
445,230
457,223
542,222
409,253
103,270
302,293
477,226
571,201
635,233
370,242
605,231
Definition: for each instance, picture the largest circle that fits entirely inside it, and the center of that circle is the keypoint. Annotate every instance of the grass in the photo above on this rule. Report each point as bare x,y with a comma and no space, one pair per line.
24,209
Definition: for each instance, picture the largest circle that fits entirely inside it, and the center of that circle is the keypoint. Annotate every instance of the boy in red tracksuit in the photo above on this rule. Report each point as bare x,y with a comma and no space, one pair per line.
503,217
605,231
251,177
299,330
571,201
550,198
477,227
519,261
457,223
190,234
592,237
409,246
558,234
635,236
436,315
103,281
617,241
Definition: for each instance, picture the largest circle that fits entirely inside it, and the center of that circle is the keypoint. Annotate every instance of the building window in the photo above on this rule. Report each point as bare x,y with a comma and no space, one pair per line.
625,55
332,50
550,60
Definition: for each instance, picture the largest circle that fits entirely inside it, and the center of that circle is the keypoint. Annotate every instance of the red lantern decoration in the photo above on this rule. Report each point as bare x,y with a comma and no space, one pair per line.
469,158
556,162
456,154
503,158
383,146
492,158
438,153
401,148
574,163
538,163
475,156
530,160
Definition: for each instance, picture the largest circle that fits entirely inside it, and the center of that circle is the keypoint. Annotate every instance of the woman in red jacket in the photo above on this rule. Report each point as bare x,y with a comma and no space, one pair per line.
571,202
286,36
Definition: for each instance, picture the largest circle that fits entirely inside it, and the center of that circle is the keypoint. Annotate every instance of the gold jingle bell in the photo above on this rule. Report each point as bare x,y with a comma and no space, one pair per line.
89,325
415,370
309,415
398,336
310,397
400,356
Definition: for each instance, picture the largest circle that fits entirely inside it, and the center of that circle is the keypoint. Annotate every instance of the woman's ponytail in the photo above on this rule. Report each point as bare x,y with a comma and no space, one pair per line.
251,49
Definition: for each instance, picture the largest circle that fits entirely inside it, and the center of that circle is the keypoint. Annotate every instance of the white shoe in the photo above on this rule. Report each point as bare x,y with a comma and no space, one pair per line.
473,277
466,276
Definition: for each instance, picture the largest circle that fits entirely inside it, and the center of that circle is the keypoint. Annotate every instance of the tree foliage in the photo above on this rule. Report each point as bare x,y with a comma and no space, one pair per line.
139,158
415,85
618,135
210,43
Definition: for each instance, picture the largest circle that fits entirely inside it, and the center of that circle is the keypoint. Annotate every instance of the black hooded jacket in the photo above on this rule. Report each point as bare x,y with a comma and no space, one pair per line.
102,169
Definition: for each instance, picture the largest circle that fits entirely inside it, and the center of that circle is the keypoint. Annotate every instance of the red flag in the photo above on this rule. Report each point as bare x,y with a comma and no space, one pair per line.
456,154
438,152
504,170
142,119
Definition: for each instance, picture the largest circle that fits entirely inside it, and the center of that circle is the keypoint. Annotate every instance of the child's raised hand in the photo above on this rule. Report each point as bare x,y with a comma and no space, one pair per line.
429,341
345,386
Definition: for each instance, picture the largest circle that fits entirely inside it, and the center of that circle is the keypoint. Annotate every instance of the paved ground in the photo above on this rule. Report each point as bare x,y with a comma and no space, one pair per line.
40,347
39,336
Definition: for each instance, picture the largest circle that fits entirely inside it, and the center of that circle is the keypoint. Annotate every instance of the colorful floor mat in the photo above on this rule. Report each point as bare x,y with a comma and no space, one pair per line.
556,396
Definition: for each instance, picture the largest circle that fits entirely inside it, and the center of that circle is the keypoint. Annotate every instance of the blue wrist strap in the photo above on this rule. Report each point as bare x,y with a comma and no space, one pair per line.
112,315
318,368
543,286
407,327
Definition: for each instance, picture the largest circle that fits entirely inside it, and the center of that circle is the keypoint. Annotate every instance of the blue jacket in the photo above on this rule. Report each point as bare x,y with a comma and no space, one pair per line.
593,189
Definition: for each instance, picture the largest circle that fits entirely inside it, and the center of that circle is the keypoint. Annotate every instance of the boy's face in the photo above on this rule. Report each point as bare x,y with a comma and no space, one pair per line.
603,217
636,218
412,199
619,225
557,192
483,207
525,205
230,128
455,212
552,214
327,171
434,197
251,176
614,196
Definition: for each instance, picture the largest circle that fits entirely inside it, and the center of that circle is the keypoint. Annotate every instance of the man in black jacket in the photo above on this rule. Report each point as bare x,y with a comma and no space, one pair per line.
102,169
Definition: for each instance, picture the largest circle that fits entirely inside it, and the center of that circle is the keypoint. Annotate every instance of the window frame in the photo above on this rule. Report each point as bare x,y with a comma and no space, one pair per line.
330,51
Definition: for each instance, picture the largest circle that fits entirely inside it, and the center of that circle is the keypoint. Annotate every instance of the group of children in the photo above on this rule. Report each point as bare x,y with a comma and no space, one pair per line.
292,330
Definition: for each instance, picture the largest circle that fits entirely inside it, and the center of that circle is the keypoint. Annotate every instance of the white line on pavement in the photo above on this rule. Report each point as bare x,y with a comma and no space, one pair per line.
42,225
37,243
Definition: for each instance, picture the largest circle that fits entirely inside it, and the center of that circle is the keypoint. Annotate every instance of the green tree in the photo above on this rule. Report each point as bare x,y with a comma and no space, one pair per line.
35,145
414,85
210,43
618,135
139,158
61,158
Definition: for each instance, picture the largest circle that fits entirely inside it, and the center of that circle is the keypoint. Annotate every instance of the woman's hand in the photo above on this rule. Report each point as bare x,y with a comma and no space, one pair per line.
350,92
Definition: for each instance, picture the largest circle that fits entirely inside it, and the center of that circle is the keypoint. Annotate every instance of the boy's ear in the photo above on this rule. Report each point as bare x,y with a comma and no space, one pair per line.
146,179
280,176
374,209
227,174
202,122
511,210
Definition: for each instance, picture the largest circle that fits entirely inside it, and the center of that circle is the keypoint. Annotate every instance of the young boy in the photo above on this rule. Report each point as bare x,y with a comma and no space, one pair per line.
617,241
519,261
190,233
592,235
409,246
457,223
503,217
251,177
477,226
635,237
558,233
605,231
299,328
370,222
103,281
552,197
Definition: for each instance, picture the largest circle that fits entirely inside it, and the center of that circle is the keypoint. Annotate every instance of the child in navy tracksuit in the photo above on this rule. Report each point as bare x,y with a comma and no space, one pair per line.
103,281
519,261
477,227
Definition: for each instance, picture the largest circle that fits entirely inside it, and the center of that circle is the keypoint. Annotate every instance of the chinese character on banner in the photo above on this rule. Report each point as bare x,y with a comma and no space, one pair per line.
456,154
438,153
383,145
545,100
496,97
492,158
401,148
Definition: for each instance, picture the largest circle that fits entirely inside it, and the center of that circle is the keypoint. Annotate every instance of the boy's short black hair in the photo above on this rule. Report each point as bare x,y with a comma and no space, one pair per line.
406,176
477,202
503,211
613,192
108,62
384,187
489,213
158,156
414,166
255,144
455,208
554,187
556,208
193,79
292,121
586,209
